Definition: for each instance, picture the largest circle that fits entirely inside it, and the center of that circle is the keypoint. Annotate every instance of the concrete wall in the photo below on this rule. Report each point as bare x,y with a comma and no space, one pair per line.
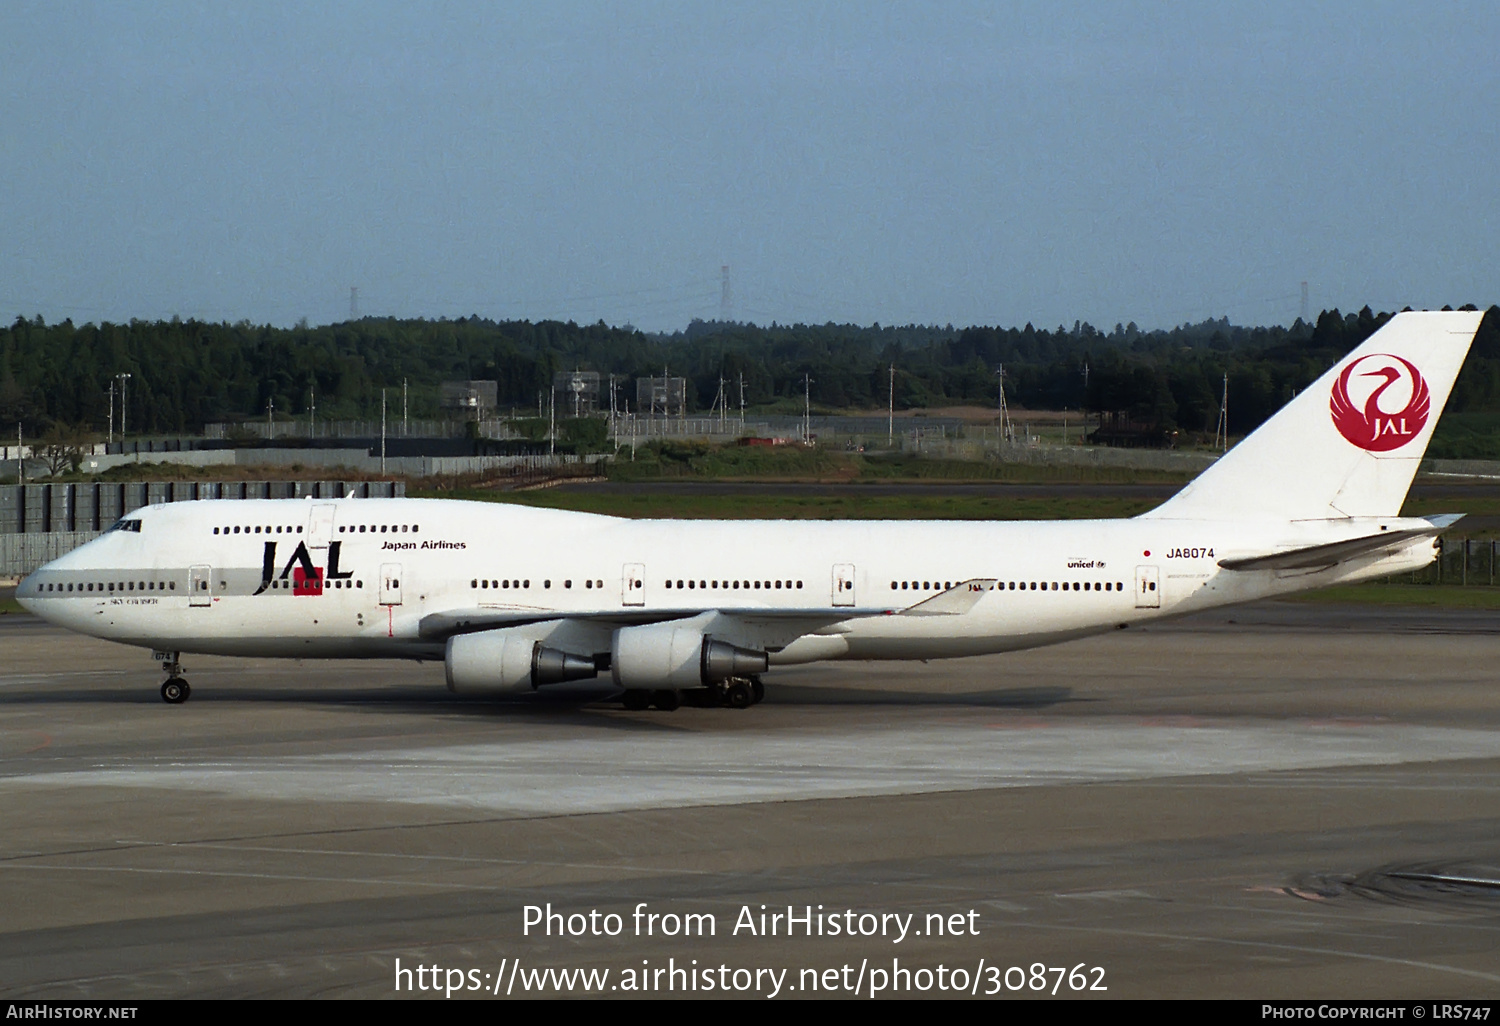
93,506
358,460
38,523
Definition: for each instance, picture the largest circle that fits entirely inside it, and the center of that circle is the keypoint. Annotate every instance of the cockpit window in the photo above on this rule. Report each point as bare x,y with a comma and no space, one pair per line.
125,524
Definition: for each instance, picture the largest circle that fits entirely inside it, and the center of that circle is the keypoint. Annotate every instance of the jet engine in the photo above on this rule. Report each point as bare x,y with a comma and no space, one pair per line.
666,655
510,660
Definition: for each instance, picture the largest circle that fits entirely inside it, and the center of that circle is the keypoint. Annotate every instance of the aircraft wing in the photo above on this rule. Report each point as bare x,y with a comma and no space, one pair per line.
770,625
1313,556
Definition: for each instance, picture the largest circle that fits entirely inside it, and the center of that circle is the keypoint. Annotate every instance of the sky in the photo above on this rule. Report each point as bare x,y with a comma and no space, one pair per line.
929,163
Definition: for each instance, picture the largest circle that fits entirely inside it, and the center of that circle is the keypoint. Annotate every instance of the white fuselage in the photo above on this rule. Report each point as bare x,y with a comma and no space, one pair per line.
357,577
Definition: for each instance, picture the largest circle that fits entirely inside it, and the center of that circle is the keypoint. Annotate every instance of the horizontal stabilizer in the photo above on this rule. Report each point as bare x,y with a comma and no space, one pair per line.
1313,556
956,601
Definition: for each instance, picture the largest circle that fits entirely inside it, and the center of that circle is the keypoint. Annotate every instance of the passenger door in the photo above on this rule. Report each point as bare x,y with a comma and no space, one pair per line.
633,586
1147,588
390,584
200,585
843,584
320,525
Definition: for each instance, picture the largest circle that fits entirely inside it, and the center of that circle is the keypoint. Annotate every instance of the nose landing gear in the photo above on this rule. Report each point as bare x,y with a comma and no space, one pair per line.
174,690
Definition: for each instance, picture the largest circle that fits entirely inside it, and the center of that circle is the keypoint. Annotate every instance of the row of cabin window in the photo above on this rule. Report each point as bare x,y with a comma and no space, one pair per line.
477,583
312,584
111,586
257,529
1013,586
728,585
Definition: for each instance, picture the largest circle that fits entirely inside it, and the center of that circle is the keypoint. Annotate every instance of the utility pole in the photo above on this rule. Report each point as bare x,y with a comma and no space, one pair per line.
1085,400
111,435
552,422
403,407
806,409
20,456
1006,430
382,432
890,413
123,378
1221,432
270,420
312,410
742,401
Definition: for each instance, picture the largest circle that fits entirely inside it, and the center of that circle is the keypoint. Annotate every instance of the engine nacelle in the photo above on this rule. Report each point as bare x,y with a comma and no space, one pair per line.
510,660
666,655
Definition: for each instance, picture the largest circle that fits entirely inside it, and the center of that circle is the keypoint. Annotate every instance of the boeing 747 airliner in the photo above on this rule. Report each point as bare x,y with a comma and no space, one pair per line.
512,598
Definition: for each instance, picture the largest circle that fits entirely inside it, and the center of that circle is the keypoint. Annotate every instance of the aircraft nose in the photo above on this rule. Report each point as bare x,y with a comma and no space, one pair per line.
26,590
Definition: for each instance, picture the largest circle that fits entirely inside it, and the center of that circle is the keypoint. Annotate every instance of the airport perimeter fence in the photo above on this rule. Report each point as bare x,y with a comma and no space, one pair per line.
38,523
1463,561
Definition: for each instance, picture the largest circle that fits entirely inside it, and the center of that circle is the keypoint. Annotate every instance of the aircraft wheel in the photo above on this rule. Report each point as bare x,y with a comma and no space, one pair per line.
757,689
739,695
666,701
636,699
175,691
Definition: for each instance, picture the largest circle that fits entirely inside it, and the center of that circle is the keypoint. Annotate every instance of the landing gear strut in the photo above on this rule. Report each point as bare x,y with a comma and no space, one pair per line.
174,690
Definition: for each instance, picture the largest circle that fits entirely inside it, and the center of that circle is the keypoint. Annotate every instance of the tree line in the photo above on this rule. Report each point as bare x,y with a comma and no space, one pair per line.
188,373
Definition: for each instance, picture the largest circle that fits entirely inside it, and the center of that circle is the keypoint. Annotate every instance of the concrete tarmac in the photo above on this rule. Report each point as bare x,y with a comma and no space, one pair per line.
1277,801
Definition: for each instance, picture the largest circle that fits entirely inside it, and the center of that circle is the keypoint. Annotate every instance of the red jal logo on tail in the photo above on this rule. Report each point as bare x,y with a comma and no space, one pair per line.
1375,425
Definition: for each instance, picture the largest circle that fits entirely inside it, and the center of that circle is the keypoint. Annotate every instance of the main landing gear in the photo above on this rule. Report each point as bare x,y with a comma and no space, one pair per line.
174,690
734,693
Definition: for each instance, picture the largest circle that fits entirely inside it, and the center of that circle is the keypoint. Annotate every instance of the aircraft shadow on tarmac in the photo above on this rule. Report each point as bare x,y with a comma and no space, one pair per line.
415,699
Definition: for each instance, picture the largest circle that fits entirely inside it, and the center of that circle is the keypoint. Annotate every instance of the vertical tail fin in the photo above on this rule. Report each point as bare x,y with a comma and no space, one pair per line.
1349,444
